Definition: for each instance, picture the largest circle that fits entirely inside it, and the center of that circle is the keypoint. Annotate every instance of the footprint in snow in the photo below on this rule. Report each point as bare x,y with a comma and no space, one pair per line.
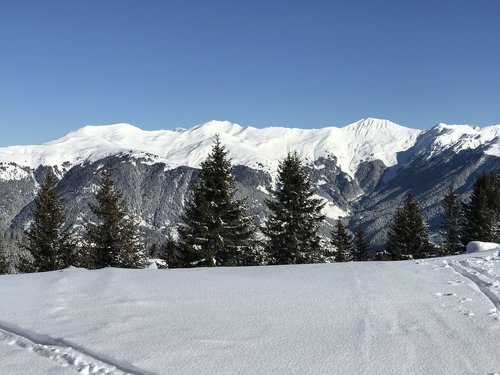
444,294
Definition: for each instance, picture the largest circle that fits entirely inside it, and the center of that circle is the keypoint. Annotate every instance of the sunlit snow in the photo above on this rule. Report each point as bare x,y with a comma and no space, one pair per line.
431,316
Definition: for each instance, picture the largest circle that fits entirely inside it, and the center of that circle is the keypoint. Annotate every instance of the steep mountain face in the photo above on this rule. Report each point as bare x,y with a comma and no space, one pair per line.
362,170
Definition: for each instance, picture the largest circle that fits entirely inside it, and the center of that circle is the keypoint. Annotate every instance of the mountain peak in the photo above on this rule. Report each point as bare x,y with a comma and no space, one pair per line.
372,123
217,127
103,130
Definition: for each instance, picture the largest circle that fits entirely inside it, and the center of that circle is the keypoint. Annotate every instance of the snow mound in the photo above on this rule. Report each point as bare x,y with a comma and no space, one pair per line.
477,246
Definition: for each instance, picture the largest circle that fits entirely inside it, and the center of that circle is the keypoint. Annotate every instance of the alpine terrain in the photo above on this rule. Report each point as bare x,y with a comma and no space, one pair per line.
362,171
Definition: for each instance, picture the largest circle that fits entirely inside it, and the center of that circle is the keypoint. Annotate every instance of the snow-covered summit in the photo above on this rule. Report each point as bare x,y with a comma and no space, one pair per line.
262,148
458,138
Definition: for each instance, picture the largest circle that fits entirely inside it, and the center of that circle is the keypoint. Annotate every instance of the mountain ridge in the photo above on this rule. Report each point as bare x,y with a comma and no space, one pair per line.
364,140
362,171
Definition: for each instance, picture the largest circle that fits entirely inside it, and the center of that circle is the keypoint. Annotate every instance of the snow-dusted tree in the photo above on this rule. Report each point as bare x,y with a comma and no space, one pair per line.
343,242
361,251
482,213
295,216
215,230
409,234
452,224
113,240
48,237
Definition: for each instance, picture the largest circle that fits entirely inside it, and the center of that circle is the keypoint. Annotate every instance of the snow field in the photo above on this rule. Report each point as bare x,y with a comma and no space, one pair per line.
431,316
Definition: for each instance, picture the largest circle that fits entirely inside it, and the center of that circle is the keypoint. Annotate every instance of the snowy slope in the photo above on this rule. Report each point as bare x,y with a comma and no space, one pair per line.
434,316
258,148
457,138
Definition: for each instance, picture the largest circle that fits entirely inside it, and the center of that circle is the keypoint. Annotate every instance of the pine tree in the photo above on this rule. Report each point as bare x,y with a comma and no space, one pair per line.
409,235
48,238
113,241
452,224
482,213
295,216
362,246
343,242
4,261
215,230
169,252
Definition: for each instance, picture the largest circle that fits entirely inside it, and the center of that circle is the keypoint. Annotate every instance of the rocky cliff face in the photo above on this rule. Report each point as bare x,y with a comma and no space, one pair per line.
363,171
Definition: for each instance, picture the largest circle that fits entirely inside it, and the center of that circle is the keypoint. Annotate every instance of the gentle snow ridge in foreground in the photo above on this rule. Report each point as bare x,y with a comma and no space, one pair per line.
432,316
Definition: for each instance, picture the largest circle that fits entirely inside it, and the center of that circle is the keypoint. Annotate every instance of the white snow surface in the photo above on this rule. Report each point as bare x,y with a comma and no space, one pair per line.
431,316
366,139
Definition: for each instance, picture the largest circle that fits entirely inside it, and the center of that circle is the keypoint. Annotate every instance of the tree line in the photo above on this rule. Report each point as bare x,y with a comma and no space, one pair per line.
215,229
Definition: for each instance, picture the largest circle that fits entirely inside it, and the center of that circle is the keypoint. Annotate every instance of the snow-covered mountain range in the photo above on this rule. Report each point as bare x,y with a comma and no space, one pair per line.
361,169
364,140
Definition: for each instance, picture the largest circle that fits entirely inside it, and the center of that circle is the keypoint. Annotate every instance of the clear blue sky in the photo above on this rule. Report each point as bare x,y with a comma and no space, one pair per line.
167,64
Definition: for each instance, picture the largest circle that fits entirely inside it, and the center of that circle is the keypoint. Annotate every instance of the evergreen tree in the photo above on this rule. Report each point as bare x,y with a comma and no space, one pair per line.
409,235
482,213
295,216
362,246
343,242
452,224
169,252
4,261
113,241
48,238
215,230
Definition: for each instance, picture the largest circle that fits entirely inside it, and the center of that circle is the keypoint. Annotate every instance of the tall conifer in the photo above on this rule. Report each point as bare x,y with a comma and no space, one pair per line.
295,216
343,242
48,237
361,245
452,224
409,235
215,230
482,213
112,241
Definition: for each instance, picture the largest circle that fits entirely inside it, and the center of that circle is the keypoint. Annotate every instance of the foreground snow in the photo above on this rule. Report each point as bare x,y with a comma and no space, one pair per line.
436,316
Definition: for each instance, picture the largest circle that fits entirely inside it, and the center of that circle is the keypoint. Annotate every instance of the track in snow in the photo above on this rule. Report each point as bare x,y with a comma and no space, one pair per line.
65,353
485,282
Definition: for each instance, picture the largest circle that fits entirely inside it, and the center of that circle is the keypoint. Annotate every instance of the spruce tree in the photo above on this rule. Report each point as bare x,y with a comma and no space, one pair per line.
343,242
48,238
452,224
295,216
169,252
112,241
482,213
4,261
361,244
409,235
215,230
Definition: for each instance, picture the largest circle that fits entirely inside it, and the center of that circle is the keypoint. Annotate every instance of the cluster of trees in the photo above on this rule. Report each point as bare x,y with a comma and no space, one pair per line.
109,238
216,231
